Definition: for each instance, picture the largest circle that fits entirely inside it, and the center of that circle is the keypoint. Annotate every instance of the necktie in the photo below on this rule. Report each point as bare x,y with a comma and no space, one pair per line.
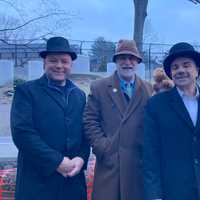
129,89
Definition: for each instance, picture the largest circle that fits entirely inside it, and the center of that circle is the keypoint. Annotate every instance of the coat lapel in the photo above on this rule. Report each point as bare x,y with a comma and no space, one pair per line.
197,127
116,94
52,92
136,98
179,107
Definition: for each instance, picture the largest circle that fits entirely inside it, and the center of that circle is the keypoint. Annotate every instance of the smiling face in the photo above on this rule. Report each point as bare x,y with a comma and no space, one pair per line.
184,72
58,67
126,66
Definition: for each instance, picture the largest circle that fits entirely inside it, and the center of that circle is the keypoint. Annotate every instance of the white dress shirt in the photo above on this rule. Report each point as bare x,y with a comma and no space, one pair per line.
191,104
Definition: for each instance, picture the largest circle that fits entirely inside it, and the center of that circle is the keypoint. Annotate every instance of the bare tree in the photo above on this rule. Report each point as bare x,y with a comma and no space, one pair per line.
102,52
140,7
43,18
7,22
140,10
149,33
195,1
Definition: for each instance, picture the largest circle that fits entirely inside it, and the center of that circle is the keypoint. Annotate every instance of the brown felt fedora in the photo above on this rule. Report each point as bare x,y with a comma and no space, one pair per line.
127,47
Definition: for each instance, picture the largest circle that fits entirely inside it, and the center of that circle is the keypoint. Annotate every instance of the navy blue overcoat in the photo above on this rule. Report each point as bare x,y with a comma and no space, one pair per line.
47,125
171,149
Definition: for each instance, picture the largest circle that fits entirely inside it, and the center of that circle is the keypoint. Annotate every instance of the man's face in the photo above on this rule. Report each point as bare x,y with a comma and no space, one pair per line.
58,67
126,66
184,72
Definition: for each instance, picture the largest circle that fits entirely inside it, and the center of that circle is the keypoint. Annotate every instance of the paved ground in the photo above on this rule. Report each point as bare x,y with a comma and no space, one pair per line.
5,119
7,148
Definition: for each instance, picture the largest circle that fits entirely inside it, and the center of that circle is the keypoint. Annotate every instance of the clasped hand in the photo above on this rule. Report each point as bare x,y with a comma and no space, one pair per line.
70,167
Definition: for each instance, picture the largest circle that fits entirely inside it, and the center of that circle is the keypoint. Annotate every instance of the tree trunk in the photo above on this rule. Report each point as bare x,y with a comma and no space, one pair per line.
140,15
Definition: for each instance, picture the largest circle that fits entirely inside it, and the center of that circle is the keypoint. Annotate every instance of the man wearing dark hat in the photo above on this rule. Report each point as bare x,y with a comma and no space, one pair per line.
46,124
172,131
113,121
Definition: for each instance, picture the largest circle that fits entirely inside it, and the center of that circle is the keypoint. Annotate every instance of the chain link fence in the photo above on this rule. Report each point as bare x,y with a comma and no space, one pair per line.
21,51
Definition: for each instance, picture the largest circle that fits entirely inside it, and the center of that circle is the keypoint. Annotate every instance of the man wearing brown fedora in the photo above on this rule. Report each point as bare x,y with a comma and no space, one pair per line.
46,124
113,121
172,131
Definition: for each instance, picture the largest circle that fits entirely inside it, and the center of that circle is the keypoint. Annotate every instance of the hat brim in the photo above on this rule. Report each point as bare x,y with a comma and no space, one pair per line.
73,55
187,54
127,53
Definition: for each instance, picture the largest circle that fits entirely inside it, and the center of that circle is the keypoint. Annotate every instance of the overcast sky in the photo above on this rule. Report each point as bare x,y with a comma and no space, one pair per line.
168,21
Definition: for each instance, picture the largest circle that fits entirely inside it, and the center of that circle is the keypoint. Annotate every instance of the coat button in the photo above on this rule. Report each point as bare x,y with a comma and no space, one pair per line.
196,161
67,119
194,139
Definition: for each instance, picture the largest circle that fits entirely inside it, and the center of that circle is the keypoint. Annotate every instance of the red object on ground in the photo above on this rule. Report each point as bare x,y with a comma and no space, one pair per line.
7,183
90,176
8,177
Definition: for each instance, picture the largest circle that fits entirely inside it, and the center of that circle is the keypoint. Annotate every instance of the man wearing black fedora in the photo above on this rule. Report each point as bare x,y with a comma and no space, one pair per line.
46,125
172,131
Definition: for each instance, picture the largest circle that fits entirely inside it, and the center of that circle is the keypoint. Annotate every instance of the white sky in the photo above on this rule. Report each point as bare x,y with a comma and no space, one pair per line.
168,21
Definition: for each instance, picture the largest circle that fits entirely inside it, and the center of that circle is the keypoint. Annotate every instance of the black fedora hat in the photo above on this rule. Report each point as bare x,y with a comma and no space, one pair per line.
181,49
58,45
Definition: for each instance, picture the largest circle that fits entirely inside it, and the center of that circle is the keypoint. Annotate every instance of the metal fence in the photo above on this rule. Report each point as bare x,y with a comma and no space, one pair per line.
21,51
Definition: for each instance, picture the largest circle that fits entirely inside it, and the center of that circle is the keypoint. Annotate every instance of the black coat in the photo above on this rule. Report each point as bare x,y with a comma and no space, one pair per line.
171,149
46,126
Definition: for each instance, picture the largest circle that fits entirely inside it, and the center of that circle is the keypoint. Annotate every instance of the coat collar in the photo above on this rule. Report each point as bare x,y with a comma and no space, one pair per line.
118,98
198,116
53,92
116,93
179,107
44,81
136,98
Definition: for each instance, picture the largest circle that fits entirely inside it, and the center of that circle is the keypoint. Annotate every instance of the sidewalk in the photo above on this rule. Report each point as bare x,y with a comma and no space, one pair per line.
7,148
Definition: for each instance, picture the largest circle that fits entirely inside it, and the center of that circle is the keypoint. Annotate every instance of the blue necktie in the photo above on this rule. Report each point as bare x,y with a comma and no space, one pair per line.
129,89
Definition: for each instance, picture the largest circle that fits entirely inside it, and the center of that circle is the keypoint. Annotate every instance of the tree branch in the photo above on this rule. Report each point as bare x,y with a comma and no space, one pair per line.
195,1
14,7
32,20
